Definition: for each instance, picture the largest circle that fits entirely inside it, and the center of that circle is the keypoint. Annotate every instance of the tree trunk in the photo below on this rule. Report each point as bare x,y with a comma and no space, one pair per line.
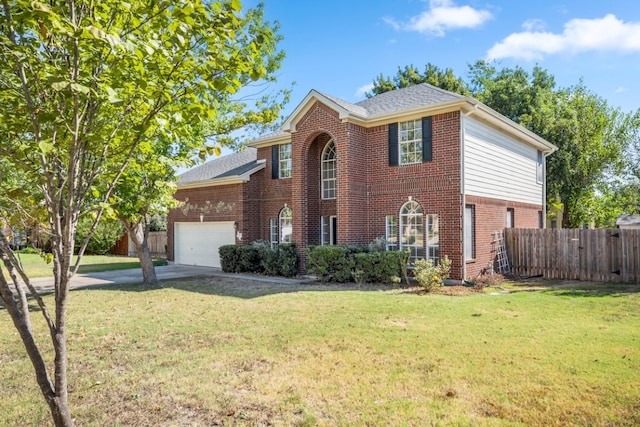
138,233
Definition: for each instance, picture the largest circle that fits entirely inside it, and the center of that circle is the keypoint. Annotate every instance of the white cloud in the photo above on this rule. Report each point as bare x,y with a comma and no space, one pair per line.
621,89
533,25
362,90
579,35
441,16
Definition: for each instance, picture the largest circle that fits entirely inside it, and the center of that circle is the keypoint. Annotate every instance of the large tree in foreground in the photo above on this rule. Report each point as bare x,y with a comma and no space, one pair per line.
86,91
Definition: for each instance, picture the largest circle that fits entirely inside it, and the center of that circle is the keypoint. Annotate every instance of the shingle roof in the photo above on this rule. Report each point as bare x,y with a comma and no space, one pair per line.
628,220
226,166
407,98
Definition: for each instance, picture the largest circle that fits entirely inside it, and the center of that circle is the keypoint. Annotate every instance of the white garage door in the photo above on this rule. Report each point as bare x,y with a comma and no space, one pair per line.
197,243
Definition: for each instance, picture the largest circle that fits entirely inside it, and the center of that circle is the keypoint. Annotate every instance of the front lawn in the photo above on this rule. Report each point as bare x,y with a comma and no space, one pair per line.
35,265
220,351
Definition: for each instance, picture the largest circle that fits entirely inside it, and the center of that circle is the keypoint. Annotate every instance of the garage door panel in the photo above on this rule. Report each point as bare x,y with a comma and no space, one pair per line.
197,243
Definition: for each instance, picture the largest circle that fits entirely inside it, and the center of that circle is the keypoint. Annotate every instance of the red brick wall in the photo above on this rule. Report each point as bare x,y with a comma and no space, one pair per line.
231,195
435,185
491,216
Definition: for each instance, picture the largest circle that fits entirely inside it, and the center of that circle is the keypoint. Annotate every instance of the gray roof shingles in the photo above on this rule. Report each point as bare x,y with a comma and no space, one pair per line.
398,100
407,98
226,166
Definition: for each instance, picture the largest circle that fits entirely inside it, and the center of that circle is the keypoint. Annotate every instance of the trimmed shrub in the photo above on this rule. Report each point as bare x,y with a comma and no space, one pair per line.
331,263
356,263
287,259
248,259
229,258
431,276
260,258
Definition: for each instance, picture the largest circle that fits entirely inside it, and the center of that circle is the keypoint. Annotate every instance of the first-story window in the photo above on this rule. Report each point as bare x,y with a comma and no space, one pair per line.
511,218
273,232
469,232
412,230
281,228
433,238
409,232
286,225
391,226
329,232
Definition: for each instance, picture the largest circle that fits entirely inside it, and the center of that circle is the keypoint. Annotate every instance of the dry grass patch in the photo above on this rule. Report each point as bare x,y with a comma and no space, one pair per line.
214,351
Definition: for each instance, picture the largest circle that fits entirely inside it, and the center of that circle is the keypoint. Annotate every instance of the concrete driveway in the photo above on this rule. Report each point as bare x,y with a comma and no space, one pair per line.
164,272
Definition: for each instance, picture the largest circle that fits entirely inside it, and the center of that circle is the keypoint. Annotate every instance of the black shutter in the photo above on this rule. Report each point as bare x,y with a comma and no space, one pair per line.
393,144
426,139
275,161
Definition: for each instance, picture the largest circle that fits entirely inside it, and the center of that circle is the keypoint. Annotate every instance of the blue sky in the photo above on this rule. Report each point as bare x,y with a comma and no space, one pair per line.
340,46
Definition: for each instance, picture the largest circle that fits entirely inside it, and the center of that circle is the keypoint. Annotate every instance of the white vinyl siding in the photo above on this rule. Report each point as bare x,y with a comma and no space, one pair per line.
498,166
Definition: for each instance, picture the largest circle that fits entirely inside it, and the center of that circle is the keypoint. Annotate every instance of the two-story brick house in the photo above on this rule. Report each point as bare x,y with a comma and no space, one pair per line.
431,171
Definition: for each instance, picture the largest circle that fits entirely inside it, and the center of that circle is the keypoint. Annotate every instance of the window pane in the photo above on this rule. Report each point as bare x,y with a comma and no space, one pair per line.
329,164
412,229
469,249
433,238
286,229
285,161
391,224
410,142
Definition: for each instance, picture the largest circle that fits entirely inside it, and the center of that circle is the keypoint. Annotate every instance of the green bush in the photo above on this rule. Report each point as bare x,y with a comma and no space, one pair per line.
229,258
248,259
104,237
331,263
287,259
260,258
356,263
429,275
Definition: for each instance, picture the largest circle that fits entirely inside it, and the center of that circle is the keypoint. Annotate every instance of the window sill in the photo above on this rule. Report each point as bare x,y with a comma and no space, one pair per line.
470,261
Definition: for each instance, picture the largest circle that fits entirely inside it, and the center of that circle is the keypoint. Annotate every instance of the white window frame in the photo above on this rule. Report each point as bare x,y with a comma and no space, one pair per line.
412,230
328,171
285,225
274,233
511,218
327,230
284,161
391,233
410,142
469,232
433,237
540,168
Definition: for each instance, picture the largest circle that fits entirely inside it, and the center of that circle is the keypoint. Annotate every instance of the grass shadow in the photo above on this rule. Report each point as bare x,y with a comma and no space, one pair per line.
97,268
595,290
242,287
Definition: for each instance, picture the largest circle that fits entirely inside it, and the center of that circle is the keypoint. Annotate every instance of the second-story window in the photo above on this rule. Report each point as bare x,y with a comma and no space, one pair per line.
284,161
329,164
410,139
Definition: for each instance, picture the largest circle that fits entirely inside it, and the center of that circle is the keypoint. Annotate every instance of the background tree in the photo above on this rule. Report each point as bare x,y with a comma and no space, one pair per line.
410,75
86,90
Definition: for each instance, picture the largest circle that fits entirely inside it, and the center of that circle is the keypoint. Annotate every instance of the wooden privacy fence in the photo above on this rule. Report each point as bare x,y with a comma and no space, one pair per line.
157,241
602,255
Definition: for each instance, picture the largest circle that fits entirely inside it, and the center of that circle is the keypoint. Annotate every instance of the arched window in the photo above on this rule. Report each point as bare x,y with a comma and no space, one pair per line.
412,229
286,228
329,171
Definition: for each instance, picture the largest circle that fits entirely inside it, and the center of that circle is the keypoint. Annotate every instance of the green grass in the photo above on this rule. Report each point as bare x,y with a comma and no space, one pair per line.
206,351
35,266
